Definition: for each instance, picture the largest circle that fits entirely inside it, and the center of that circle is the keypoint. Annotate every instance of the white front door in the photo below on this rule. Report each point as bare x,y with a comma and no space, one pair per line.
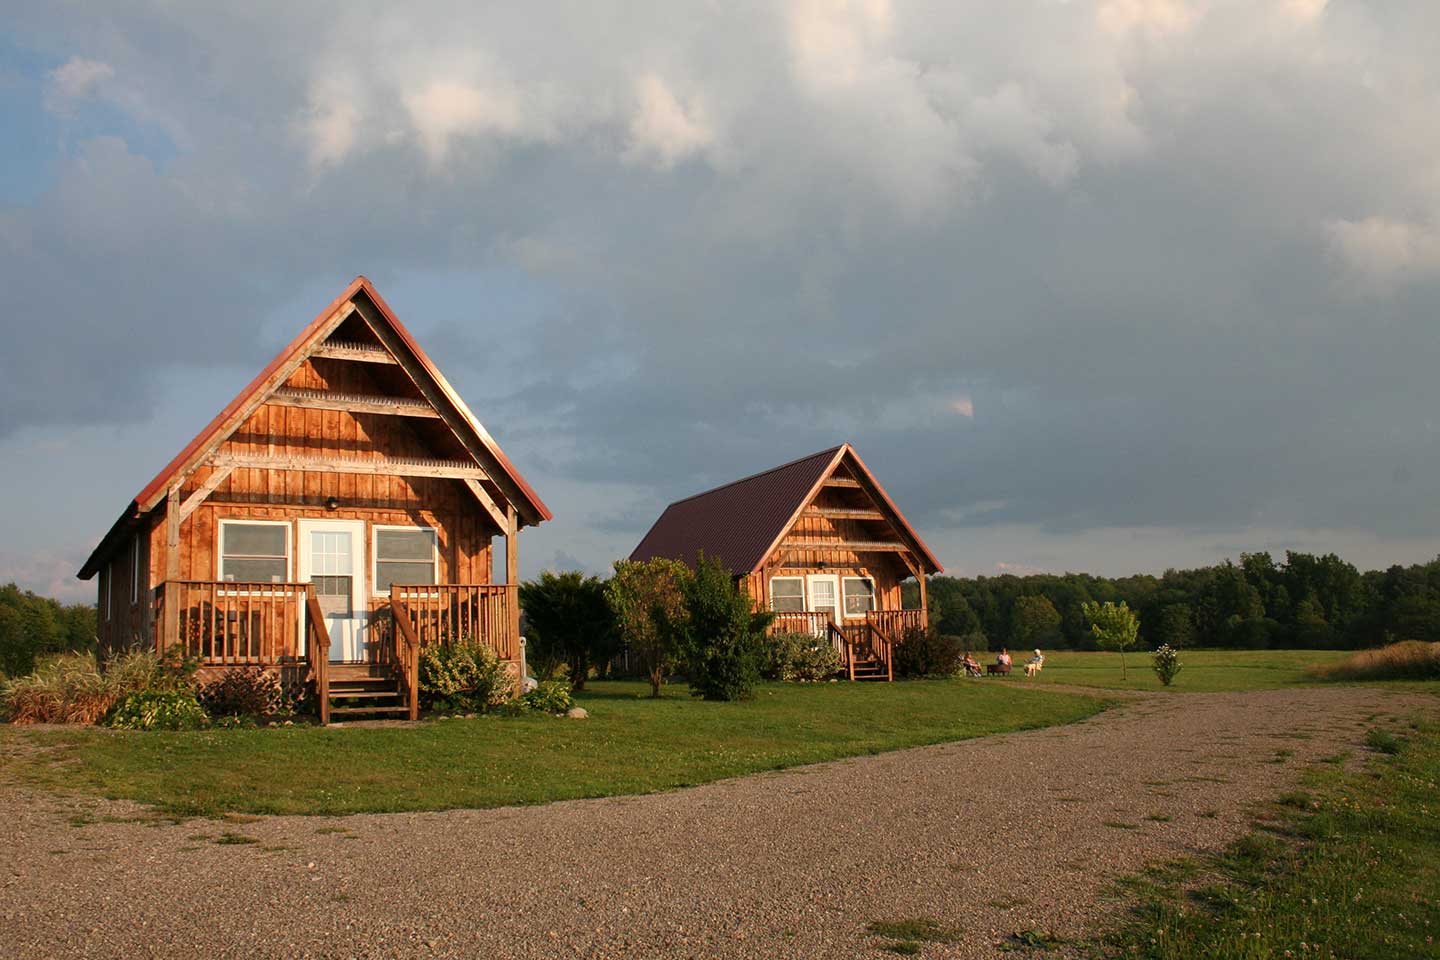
332,557
824,594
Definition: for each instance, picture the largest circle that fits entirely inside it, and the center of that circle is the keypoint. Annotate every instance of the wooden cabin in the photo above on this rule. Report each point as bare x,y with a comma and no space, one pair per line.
819,542
335,516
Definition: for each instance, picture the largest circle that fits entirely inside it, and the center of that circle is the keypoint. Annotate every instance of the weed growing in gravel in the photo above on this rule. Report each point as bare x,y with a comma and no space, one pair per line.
234,839
1120,825
1382,741
1159,817
905,936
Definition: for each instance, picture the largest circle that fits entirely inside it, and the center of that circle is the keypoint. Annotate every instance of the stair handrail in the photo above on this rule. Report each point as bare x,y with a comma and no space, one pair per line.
407,652
834,633
317,651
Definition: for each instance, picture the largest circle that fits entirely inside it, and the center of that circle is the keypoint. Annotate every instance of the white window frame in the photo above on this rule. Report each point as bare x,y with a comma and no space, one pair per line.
135,570
804,605
239,521
874,599
375,530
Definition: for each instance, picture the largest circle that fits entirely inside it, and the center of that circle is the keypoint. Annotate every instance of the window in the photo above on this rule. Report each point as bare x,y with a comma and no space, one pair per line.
254,551
787,595
859,596
404,555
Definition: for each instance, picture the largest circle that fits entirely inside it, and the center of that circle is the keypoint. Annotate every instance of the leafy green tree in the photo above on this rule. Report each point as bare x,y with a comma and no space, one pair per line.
568,620
648,601
1114,626
1033,621
724,636
32,625
1177,626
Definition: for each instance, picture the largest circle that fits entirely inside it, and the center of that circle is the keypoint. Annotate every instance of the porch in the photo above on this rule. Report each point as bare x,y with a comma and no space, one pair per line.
866,647
282,626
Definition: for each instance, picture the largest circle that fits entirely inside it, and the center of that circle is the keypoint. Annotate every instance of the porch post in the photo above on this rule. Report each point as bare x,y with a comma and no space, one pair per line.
512,573
171,629
924,600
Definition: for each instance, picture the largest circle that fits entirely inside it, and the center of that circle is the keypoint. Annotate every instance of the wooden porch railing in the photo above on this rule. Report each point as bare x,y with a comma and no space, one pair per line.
406,654
231,623
317,651
444,613
896,622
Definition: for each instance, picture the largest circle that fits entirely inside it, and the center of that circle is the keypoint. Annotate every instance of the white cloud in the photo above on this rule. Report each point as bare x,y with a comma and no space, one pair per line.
1385,251
77,79
664,132
447,109
833,41
1155,17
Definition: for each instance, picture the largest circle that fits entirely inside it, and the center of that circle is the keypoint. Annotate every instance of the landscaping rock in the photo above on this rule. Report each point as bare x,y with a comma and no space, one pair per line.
577,713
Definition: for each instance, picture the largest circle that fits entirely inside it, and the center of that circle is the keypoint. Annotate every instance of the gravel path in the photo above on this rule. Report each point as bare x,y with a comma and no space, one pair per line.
1013,832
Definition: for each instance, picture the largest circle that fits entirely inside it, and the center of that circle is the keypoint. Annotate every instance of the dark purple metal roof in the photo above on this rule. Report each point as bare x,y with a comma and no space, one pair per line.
738,522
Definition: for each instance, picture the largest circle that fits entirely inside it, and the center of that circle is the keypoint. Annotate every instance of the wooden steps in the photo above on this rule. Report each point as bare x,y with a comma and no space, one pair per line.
365,689
871,669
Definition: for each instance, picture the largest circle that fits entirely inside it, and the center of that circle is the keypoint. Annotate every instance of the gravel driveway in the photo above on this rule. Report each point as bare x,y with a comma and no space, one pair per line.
1012,832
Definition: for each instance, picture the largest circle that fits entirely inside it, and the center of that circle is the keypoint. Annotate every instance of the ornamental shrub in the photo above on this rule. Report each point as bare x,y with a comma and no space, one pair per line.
724,638
550,696
461,676
158,710
798,657
1167,663
243,693
928,653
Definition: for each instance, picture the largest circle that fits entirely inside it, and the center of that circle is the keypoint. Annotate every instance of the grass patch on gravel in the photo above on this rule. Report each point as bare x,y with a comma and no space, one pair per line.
1351,868
1205,671
631,744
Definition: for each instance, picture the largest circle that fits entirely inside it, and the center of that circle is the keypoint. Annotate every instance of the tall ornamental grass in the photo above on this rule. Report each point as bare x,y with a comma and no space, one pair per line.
70,687
1406,660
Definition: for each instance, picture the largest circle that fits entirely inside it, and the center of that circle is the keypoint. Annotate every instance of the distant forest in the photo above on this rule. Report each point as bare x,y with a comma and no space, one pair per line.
1306,601
32,625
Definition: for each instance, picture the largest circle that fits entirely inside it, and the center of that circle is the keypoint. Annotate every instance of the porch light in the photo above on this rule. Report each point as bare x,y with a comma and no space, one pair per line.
332,504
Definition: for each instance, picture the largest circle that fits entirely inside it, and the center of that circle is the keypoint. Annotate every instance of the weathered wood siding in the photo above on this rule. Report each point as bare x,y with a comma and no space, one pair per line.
887,570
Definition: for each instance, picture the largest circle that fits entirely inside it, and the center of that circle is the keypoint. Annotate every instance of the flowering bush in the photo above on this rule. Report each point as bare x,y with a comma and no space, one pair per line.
1167,663
799,656
550,696
461,676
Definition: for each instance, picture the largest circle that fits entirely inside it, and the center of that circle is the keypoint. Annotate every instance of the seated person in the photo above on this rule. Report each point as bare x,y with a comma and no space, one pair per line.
1034,664
971,665
1002,660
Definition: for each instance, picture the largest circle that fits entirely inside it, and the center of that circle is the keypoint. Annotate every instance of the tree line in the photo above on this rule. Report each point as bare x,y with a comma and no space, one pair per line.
32,625
1305,602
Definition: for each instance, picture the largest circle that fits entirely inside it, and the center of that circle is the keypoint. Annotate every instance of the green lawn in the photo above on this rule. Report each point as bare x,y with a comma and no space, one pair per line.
1203,671
1348,867
630,744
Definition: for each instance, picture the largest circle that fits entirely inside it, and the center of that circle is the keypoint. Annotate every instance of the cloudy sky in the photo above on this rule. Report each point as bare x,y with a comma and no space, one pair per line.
1105,285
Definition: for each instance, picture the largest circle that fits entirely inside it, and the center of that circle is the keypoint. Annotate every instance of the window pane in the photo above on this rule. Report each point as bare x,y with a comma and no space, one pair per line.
405,545
253,540
859,597
787,604
786,587
403,572
246,569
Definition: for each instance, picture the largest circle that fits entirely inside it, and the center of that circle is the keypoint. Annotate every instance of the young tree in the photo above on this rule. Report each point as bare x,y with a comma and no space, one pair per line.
1114,627
724,635
568,621
1033,620
648,601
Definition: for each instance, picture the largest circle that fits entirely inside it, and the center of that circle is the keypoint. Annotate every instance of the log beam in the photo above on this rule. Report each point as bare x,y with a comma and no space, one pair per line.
844,513
443,469
352,403
850,546
490,506
204,490
359,352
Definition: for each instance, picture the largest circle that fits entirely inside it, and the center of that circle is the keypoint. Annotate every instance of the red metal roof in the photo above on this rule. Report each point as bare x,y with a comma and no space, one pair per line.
742,522
154,491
